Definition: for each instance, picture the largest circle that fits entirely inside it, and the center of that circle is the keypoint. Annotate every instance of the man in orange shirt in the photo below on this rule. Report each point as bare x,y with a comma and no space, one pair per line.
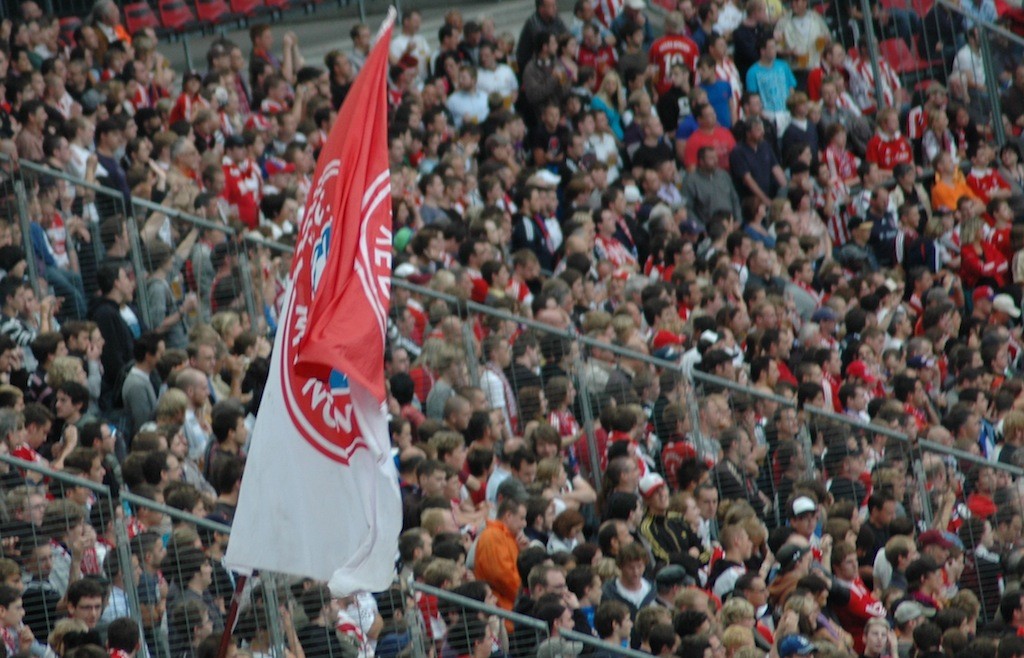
498,549
950,184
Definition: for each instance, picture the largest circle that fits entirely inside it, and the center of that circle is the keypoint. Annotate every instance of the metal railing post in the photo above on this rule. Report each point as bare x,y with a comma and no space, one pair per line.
585,399
992,89
469,345
869,35
270,606
141,290
693,408
26,236
922,481
124,554
247,289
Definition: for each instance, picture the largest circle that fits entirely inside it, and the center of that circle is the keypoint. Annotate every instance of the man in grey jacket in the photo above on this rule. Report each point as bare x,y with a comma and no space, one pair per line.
137,390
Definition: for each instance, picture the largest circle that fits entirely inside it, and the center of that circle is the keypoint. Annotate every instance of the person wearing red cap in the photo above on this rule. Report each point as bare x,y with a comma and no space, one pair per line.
935,545
664,338
860,372
982,297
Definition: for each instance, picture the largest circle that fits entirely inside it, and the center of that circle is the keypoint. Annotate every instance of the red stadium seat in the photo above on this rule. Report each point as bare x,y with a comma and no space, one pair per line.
922,7
249,8
214,11
139,16
177,16
900,57
279,5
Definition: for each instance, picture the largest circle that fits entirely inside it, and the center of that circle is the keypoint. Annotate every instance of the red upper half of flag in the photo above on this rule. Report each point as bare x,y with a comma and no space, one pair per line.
342,267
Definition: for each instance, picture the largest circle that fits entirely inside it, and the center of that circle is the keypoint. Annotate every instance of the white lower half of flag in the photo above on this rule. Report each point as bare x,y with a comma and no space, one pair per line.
302,513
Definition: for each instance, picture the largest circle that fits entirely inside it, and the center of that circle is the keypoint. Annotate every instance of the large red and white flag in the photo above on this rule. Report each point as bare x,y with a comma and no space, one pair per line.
320,493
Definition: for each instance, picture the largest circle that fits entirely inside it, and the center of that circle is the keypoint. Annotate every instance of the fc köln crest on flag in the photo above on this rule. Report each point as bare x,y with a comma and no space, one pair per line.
320,495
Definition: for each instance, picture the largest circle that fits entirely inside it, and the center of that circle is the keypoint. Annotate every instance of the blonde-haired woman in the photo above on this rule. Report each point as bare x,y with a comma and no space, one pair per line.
55,641
228,325
610,99
65,369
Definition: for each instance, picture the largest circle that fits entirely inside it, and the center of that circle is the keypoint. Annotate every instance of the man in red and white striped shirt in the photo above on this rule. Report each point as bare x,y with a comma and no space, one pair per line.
725,67
917,120
862,83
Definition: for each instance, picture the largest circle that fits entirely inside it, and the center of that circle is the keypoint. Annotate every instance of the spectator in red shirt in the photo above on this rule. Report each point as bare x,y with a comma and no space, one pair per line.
888,147
981,262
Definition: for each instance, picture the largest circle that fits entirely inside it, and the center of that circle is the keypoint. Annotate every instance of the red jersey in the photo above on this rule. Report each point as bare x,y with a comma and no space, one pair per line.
564,422
887,152
817,77
989,264
1001,240
270,107
920,417
726,71
842,164
861,607
673,456
243,188
917,122
720,139
612,250
669,50
519,291
984,182
606,11
601,60
186,107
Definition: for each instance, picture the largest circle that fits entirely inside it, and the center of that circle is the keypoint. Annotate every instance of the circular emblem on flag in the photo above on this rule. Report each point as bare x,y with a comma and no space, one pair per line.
321,410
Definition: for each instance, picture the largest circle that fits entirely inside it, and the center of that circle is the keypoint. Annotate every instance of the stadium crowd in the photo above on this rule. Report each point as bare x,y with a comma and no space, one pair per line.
726,193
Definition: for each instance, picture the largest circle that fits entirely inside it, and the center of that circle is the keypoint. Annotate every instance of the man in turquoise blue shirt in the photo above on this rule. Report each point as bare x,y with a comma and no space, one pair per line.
774,81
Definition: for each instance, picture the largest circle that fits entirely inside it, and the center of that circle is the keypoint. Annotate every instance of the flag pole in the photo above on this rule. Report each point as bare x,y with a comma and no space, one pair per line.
229,622
389,20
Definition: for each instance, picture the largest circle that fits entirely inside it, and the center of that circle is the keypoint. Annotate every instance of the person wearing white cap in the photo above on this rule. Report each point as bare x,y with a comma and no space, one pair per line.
908,616
1006,307
633,14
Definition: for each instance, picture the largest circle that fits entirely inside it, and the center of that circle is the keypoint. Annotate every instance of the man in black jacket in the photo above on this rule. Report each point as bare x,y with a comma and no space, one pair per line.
116,290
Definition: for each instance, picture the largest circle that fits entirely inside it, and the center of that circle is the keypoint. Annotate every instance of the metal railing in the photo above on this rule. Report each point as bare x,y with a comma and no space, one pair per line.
247,299
262,626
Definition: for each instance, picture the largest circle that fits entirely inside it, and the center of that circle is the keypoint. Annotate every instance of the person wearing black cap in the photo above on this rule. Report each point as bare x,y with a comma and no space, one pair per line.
924,581
668,582
794,560
856,254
